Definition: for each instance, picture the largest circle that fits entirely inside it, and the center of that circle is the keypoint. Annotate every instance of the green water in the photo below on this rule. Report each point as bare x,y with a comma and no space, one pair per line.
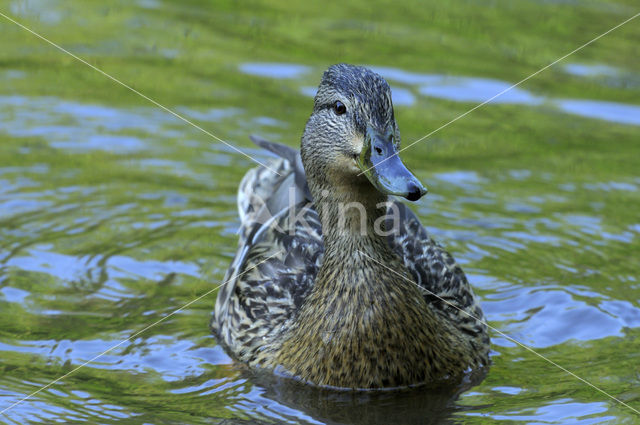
114,213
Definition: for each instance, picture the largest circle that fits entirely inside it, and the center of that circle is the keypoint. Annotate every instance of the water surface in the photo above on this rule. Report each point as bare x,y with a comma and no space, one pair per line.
114,213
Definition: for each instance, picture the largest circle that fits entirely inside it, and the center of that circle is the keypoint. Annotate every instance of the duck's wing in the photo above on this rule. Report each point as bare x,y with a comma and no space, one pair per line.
265,192
277,259
267,283
445,285
293,157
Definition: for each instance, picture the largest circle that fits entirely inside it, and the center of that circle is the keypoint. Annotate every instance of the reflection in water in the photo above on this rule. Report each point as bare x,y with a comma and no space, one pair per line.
583,70
561,411
402,97
461,89
609,111
543,317
116,144
274,70
411,406
468,180
14,295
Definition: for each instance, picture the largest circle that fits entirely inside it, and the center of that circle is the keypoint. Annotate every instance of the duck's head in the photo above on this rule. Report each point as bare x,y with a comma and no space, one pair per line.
352,139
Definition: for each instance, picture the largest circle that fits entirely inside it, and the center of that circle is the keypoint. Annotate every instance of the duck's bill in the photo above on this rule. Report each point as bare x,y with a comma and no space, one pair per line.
380,162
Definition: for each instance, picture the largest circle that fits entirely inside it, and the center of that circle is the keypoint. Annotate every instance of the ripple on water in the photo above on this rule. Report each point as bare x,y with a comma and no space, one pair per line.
466,89
80,127
106,279
13,207
14,295
584,70
213,114
123,266
626,186
45,11
169,356
274,70
544,316
608,111
468,180
74,126
461,89
558,411
67,268
402,97
473,89
109,143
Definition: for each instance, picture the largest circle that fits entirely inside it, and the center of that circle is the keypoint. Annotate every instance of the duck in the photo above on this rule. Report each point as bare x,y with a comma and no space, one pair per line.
335,281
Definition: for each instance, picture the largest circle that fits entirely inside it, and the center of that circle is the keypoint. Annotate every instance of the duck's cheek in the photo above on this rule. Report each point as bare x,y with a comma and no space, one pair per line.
356,142
346,165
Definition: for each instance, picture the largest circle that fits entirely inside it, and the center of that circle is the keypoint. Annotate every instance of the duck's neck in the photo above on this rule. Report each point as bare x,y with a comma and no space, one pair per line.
352,221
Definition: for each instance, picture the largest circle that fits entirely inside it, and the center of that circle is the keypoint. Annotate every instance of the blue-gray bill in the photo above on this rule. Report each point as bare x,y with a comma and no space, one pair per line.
380,162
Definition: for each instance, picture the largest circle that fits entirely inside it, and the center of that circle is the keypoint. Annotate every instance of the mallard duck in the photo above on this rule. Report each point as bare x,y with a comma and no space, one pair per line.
334,283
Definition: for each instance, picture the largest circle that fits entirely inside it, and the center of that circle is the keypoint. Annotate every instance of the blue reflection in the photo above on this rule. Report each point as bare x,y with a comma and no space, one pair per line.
609,111
582,70
108,143
462,89
274,70
560,411
402,97
14,295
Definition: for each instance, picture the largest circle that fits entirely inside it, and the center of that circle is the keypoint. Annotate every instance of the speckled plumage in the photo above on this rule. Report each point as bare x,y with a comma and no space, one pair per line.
342,308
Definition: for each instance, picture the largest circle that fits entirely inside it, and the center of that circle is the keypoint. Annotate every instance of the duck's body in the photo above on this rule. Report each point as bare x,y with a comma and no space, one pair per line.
332,296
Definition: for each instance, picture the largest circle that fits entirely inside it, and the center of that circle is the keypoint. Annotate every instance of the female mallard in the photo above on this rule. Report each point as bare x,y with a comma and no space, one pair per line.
332,284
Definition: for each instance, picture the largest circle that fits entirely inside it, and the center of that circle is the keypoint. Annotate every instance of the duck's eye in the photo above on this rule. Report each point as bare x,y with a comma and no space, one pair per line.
339,108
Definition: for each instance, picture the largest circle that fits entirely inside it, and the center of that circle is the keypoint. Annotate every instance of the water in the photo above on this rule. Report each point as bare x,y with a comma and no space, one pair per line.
115,213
